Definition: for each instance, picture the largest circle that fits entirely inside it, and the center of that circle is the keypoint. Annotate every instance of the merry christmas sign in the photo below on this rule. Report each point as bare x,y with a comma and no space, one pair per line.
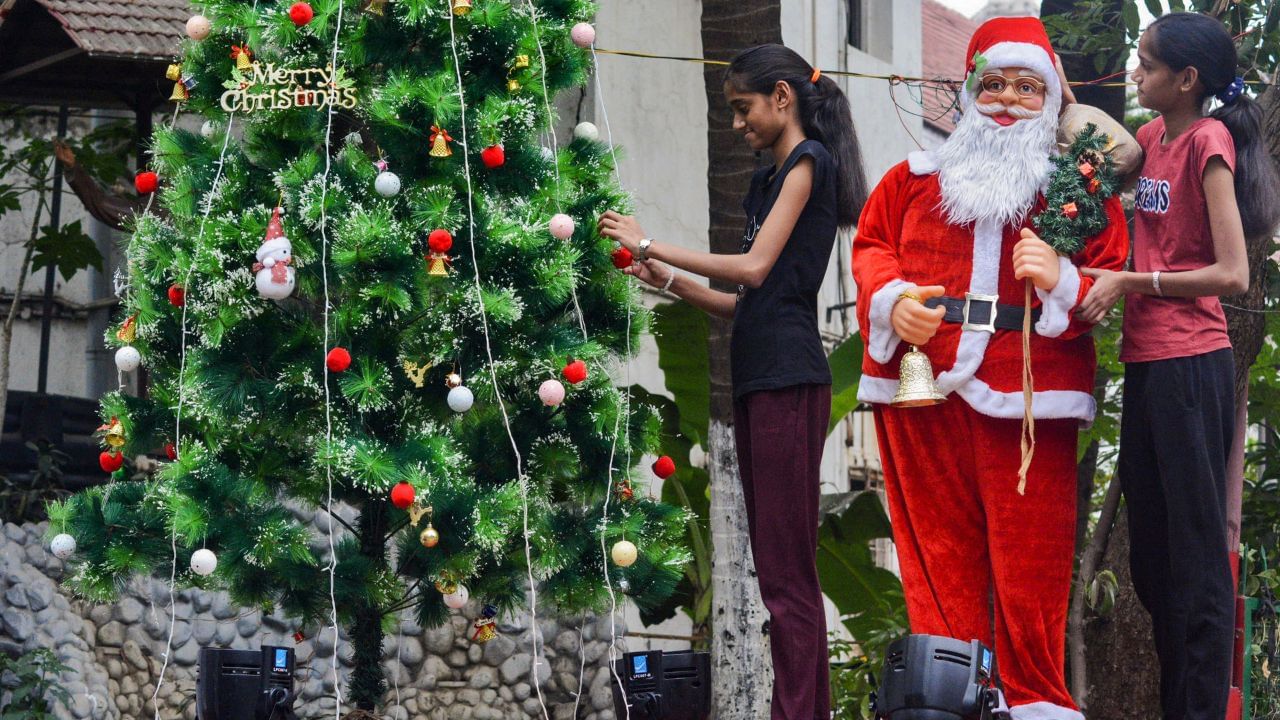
266,86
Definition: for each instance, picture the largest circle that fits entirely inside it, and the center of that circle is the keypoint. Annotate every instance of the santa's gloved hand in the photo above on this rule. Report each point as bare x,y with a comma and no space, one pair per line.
911,320
1034,259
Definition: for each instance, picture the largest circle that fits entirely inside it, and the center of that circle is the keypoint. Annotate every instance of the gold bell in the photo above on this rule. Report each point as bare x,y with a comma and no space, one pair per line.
916,386
440,147
437,267
513,85
179,93
461,7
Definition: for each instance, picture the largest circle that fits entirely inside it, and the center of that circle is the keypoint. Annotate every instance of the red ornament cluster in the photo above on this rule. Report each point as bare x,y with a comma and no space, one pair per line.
301,13
575,372
622,258
338,360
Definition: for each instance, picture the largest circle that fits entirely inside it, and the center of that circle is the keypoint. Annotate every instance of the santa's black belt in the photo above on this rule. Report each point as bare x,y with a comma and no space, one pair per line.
975,311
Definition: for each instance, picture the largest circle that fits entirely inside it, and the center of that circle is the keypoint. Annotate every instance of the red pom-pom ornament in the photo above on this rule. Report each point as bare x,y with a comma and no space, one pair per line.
146,182
301,13
493,156
575,372
177,295
402,495
337,360
170,451
664,467
110,461
622,258
440,241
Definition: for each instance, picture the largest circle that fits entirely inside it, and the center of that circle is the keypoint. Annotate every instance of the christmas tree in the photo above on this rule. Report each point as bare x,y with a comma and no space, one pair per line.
373,280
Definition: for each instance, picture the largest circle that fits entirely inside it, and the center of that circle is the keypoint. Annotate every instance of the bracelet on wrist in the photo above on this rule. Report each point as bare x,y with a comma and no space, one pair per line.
1155,283
671,279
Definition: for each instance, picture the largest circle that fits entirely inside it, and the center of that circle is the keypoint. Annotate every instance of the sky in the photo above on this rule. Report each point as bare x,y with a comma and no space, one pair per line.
965,7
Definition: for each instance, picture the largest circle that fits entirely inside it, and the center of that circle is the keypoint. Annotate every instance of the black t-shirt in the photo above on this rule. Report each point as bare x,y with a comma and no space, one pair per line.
775,340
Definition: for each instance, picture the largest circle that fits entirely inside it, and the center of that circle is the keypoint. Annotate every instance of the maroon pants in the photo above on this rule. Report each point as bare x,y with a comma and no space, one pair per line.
780,434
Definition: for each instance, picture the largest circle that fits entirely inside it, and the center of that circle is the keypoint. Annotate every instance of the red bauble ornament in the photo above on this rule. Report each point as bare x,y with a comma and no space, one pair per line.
146,182
402,495
110,461
177,295
170,451
440,241
664,467
338,360
301,13
493,156
575,372
622,258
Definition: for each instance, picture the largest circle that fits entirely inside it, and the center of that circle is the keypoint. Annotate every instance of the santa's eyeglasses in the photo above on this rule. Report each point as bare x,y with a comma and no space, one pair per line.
1022,85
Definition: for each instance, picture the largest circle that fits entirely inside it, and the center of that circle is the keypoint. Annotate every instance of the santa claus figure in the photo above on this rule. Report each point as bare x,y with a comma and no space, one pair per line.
944,250
274,274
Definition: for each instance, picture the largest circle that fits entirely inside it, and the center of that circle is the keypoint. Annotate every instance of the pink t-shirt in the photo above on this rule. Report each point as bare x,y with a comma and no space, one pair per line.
1171,233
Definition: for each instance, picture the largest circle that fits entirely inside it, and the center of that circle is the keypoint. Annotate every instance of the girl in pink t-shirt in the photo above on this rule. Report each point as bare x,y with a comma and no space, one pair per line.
1206,184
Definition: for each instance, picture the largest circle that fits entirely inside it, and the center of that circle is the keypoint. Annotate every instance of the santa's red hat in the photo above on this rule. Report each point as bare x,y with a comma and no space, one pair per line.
1007,42
274,239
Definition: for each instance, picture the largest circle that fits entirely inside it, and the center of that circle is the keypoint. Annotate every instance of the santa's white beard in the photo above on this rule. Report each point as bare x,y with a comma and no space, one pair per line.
988,171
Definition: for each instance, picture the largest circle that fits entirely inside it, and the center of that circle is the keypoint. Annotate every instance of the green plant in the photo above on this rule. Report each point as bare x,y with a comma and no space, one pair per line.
31,686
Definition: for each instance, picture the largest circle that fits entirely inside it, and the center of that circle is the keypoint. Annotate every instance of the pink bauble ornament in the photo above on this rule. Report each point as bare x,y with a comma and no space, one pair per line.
583,35
562,226
198,27
551,393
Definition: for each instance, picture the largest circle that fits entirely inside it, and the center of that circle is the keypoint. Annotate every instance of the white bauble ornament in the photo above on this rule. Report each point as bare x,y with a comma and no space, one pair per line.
387,183
209,128
203,562
623,553
198,27
461,399
458,598
62,546
561,226
586,131
583,35
551,393
128,358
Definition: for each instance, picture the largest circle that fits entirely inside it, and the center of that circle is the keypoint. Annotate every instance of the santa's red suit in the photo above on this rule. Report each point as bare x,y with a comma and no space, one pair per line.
969,545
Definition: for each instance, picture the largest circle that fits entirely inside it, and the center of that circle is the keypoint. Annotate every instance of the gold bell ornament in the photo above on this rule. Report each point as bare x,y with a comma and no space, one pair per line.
243,57
179,93
485,625
916,386
375,7
128,332
440,143
461,7
113,433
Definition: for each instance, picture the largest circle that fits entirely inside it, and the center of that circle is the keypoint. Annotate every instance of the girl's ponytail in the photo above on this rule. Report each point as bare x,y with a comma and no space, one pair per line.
824,114
1185,40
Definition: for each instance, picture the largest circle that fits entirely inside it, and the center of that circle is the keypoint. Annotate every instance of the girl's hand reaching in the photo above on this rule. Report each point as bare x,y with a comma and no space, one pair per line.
651,272
623,228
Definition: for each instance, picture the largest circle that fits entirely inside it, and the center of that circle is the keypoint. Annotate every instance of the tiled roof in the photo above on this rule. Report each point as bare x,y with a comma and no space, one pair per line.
129,28
945,36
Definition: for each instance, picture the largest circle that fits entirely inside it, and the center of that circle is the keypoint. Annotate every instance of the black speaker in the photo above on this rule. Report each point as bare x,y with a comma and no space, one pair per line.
245,684
663,686
927,677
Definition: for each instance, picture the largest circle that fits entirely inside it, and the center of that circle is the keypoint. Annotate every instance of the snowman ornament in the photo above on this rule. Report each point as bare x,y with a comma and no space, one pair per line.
274,273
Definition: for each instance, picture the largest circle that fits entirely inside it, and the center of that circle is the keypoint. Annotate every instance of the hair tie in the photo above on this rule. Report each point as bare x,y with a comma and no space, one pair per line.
814,77
1232,92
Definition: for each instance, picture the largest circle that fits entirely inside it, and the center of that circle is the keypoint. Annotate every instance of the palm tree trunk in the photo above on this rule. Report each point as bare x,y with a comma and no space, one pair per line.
741,672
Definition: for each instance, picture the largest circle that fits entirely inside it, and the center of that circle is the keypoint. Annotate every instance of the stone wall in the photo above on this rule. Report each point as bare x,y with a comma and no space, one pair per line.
116,651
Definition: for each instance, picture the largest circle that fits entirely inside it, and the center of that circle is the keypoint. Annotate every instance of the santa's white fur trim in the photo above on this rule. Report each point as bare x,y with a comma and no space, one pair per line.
922,162
987,238
1044,711
1045,404
1056,305
882,341
270,246
1026,55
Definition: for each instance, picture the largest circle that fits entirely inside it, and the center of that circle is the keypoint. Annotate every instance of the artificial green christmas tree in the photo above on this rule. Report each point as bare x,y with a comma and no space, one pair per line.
364,247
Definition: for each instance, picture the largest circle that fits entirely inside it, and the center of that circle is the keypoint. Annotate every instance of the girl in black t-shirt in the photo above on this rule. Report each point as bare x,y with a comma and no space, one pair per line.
781,381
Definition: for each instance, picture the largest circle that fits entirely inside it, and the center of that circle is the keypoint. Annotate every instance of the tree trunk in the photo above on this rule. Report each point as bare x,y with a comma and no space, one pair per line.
739,653
367,681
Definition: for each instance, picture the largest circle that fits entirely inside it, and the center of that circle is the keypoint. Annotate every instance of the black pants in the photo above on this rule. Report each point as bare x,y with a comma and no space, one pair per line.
1175,436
